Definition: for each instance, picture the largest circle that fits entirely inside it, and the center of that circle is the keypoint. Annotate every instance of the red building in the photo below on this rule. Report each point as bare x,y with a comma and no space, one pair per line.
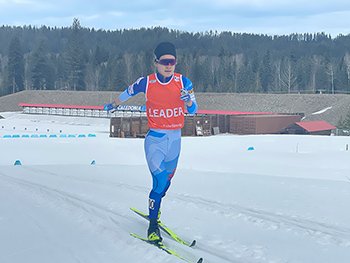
310,127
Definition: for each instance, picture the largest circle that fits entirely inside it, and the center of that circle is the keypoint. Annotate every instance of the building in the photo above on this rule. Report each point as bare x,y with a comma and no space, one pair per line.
130,121
310,127
261,124
206,123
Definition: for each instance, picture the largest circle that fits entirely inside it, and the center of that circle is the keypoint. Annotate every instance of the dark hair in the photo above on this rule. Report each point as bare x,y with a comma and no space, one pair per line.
165,48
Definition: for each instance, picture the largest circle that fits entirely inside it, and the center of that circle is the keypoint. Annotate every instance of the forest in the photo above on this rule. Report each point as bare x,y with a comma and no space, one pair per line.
79,58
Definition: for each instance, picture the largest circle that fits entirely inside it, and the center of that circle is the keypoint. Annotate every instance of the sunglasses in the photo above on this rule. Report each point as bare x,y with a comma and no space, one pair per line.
167,62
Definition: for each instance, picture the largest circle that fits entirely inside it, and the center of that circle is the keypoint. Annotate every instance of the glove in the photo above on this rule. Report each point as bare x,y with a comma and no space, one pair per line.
185,96
110,107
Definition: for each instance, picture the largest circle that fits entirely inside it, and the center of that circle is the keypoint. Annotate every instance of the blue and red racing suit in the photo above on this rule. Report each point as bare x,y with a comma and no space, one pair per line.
165,113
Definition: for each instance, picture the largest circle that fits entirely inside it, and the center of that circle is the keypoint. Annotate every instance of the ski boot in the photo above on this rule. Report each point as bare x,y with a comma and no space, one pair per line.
153,232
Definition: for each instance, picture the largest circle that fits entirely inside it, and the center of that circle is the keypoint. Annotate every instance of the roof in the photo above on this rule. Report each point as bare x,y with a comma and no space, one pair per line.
60,106
134,108
312,126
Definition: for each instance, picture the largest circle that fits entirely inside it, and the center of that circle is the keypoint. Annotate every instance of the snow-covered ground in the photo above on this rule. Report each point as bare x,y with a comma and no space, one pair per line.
288,200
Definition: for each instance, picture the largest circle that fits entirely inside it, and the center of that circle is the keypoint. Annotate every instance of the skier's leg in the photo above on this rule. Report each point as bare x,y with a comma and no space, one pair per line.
155,149
162,153
172,156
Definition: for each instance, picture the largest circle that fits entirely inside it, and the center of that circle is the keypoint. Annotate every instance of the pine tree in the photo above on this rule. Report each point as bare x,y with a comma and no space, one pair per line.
135,68
206,73
266,72
76,57
15,66
62,72
42,72
100,56
120,77
245,83
148,60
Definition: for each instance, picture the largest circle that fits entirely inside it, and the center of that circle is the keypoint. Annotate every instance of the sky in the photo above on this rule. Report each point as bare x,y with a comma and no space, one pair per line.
272,17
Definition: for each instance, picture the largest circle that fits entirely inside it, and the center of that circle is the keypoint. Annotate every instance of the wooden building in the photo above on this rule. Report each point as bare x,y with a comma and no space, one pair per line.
310,127
208,124
194,125
261,124
130,121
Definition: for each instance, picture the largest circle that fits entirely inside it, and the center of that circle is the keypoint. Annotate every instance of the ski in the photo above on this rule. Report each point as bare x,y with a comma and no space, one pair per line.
164,248
166,229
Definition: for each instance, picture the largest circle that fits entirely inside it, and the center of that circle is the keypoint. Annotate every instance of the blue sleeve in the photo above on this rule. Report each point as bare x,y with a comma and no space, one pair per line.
132,90
188,86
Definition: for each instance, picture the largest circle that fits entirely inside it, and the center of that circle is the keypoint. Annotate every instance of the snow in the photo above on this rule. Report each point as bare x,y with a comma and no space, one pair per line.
321,111
285,201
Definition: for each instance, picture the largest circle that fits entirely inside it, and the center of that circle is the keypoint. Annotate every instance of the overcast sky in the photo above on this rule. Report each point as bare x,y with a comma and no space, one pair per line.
272,17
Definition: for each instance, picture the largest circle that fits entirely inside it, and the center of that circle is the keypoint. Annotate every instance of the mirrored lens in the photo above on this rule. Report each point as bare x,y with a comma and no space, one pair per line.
167,62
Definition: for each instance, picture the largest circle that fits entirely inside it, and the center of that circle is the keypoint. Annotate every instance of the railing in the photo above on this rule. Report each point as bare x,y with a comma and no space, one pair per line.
82,111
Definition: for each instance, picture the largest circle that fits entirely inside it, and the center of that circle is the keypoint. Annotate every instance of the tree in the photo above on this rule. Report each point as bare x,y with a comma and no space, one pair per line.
4,84
316,62
74,51
347,63
257,72
15,66
288,76
245,78
61,72
148,60
344,123
93,68
100,56
76,57
266,72
330,71
134,68
120,81
42,72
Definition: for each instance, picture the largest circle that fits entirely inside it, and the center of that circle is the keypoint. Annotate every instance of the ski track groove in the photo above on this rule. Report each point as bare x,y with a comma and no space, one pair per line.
313,228
67,198
95,181
92,208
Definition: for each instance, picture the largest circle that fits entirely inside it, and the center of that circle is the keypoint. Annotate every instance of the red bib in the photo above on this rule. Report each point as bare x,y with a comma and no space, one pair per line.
165,110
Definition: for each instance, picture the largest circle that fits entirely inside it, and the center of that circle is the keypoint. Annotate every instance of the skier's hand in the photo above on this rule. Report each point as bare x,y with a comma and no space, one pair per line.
185,96
110,107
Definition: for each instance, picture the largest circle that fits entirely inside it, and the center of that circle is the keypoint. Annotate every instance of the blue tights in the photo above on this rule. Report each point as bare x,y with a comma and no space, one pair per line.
162,149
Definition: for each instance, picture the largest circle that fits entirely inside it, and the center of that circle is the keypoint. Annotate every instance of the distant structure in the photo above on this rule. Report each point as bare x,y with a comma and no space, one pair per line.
130,121
206,123
310,127
218,112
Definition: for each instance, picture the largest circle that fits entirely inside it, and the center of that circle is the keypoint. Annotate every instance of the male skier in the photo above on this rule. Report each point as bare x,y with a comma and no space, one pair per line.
167,95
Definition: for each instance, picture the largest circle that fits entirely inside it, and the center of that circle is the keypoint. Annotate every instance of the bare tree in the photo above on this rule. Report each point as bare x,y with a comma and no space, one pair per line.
237,63
316,62
277,76
288,76
92,78
330,72
347,62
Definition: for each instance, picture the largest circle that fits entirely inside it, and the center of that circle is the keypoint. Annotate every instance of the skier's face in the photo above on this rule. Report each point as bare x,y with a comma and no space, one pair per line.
165,70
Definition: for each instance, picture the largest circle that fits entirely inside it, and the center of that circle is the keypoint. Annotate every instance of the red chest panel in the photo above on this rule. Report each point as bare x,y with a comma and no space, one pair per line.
165,110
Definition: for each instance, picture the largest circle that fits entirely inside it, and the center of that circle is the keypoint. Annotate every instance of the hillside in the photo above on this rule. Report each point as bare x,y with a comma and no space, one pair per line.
309,104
